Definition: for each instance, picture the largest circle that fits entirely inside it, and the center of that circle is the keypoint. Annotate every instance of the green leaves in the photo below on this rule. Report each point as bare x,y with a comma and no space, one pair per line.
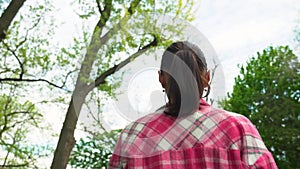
30,57
94,152
16,120
267,92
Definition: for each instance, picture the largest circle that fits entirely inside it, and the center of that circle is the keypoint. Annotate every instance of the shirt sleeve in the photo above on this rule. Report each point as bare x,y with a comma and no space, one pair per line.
266,161
116,160
254,151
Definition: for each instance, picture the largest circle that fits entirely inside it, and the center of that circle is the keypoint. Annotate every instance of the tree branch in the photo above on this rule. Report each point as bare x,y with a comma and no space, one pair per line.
17,112
13,166
8,15
20,79
132,7
105,13
96,43
13,138
99,6
33,80
12,144
117,27
66,78
21,64
18,59
101,79
27,31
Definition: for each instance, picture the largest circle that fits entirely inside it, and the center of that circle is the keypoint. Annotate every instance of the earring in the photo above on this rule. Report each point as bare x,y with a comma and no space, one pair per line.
207,91
166,97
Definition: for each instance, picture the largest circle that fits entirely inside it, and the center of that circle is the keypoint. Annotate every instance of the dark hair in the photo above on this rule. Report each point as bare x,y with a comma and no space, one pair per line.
186,67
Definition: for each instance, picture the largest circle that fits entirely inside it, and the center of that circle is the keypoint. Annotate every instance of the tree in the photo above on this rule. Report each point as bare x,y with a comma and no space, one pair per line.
123,34
16,121
30,59
267,92
23,60
8,15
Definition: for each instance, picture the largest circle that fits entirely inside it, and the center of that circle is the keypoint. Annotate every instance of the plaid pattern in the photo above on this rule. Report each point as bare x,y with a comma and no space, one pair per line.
208,138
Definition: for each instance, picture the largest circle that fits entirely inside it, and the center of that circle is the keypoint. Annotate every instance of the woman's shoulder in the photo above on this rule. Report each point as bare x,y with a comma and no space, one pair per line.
221,115
144,121
228,119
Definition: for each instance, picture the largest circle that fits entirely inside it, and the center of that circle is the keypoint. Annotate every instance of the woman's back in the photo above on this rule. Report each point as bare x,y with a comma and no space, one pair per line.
208,138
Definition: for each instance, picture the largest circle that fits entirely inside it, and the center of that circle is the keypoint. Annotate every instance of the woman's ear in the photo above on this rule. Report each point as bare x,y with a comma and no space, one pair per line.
161,79
207,77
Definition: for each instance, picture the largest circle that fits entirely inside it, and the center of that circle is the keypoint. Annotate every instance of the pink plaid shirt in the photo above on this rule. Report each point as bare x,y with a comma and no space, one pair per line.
208,138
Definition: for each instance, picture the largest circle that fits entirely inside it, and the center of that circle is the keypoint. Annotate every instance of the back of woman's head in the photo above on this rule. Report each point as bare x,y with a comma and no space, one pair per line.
184,69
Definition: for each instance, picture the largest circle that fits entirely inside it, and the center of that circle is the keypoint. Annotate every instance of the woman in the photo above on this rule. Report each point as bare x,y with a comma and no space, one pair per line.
187,132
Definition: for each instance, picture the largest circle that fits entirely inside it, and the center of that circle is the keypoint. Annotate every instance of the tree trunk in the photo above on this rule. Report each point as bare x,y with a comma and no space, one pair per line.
82,88
66,140
8,15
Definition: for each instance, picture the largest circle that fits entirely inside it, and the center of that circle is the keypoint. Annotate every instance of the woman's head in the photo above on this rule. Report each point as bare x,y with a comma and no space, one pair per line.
184,76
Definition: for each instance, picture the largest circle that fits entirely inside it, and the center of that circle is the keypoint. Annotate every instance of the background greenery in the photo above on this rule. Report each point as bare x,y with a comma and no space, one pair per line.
266,90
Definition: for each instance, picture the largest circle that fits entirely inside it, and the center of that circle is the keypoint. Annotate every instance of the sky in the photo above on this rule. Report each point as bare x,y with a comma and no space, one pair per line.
238,29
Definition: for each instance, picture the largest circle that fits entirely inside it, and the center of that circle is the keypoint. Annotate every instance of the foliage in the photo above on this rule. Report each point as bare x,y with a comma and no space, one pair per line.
127,29
16,121
267,92
127,36
25,55
25,51
40,70
94,152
